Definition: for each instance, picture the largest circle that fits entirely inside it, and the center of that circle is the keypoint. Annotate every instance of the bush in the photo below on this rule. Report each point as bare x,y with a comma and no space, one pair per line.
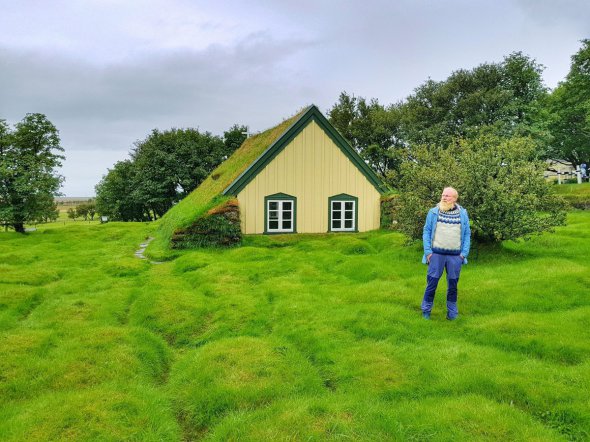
389,209
499,182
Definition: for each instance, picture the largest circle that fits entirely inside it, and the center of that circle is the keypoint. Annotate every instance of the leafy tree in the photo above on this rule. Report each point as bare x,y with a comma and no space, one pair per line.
29,156
73,213
507,97
91,209
86,210
233,139
373,130
164,168
500,183
115,194
570,111
48,210
171,164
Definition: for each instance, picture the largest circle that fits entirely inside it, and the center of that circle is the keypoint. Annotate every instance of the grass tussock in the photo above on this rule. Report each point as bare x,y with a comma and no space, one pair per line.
290,337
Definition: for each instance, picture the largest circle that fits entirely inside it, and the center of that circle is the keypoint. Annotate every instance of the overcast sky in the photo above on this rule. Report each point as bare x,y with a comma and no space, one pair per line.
106,72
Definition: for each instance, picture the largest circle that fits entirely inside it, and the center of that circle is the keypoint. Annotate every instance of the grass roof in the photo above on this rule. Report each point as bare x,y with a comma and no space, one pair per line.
209,194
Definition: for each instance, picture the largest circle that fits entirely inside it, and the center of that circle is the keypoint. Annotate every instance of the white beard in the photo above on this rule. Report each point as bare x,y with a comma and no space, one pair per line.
445,207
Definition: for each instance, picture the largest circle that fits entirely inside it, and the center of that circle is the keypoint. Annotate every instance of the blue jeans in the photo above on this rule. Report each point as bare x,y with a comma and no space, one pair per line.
452,265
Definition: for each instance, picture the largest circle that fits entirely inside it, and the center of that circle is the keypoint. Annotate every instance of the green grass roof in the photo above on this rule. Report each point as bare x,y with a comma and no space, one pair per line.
209,194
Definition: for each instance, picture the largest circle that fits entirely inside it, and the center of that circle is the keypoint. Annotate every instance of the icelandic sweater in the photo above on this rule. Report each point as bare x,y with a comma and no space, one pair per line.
430,227
447,236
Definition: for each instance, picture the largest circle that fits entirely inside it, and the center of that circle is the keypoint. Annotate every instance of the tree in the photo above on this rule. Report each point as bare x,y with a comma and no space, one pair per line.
233,139
164,168
171,164
115,194
507,97
29,156
91,209
373,130
569,105
500,182
73,213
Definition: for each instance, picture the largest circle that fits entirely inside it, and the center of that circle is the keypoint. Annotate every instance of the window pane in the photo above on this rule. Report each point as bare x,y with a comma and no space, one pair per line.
348,215
336,214
287,205
348,224
336,224
348,205
286,224
336,205
287,215
272,205
273,225
273,214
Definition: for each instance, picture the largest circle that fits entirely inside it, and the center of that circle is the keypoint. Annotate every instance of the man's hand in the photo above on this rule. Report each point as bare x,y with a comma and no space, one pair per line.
428,258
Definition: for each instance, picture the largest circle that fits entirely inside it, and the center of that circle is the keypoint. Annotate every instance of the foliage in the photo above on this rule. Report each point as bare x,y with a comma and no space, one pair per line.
499,182
389,209
115,195
576,195
164,168
86,210
289,337
73,213
373,130
508,97
29,155
569,106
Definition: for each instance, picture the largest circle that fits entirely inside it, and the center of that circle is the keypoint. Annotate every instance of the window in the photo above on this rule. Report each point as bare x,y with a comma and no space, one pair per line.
343,213
280,213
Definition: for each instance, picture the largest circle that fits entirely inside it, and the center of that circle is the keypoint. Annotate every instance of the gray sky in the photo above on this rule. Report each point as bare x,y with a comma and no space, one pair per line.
106,72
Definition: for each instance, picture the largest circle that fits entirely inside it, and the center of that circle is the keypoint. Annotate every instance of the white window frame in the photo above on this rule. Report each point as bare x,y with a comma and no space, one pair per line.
280,211
343,217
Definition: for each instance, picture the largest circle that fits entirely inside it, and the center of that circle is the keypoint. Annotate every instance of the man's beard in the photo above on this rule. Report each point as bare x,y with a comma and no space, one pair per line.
445,207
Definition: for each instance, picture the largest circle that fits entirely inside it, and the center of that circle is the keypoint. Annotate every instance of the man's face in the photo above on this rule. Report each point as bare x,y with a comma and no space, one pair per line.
448,199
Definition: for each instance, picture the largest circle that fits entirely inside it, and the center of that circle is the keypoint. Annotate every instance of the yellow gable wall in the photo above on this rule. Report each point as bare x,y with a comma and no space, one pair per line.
311,168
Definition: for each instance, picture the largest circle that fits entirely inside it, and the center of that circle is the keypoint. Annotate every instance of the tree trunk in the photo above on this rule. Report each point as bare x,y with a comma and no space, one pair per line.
19,227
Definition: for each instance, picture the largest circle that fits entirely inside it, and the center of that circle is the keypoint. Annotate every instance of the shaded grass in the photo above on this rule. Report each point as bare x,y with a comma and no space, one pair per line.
294,337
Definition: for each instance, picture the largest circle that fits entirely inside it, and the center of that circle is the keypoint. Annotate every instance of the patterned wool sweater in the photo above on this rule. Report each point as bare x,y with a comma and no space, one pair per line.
447,236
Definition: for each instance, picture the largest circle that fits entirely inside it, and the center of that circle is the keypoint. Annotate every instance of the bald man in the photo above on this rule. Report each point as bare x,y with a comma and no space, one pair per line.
447,238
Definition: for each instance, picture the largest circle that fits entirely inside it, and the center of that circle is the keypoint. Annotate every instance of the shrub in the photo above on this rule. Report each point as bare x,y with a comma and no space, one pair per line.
499,182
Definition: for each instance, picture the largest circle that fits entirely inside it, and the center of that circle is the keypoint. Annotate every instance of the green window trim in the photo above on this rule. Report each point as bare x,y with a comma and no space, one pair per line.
280,198
343,197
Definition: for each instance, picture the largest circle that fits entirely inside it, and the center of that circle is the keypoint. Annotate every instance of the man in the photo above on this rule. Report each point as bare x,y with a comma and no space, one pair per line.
446,239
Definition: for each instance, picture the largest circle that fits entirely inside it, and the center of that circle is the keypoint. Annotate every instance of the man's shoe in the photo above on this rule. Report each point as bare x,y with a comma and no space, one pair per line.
426,315
451,319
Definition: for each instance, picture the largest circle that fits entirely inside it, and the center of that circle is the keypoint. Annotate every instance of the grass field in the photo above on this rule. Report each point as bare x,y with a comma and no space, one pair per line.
305,337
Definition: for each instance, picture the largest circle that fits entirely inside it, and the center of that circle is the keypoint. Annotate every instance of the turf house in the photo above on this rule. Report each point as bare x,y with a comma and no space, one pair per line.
300,176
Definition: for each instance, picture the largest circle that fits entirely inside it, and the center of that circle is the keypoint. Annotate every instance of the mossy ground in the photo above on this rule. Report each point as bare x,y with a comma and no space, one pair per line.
303,337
